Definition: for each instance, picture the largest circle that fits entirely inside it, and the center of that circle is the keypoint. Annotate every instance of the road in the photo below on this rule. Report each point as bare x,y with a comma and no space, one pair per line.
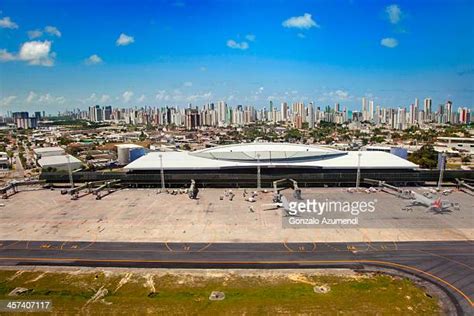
19,169
448,264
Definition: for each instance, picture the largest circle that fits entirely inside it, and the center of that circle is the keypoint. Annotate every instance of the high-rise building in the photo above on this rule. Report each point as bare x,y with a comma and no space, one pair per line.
370,117
427,109
449,111
221,112
284,111
192,119
310,118
107,113
364,108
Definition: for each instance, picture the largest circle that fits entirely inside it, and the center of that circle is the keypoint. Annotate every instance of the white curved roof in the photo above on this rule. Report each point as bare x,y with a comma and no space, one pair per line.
265,151
322,158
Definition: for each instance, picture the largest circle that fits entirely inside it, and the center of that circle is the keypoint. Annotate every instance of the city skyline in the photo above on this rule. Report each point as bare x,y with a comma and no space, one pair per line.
179,52
298,115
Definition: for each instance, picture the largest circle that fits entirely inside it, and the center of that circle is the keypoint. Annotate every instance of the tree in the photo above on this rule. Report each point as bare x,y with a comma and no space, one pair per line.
293,133
186,147
425,157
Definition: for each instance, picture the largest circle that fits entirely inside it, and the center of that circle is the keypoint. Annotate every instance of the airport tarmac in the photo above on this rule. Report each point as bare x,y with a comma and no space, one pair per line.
142,215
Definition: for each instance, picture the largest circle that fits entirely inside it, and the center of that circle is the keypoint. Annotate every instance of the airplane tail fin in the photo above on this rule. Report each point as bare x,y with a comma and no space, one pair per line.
437,203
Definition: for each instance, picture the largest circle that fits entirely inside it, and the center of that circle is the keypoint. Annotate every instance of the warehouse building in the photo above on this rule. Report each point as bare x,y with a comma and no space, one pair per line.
48,151
60,162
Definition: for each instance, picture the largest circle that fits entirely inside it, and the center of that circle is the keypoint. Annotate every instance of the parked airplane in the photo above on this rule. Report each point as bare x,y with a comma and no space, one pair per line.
431,203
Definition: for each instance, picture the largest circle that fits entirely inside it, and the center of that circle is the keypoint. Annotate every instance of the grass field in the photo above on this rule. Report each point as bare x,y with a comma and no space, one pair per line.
136,293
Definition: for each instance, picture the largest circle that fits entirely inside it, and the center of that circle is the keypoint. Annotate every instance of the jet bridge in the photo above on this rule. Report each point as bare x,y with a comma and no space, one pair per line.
389,188
465,185
106,188
286,184
12,187
94,187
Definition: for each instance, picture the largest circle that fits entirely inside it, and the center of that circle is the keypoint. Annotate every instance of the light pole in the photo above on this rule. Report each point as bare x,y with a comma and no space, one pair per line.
441,171
162,172
71,179
359,154
259,180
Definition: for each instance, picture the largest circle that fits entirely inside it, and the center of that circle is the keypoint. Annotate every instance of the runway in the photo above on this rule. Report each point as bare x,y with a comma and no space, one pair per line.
448,264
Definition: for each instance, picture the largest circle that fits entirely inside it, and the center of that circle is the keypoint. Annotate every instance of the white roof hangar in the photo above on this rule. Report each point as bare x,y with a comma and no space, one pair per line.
271,155
60,162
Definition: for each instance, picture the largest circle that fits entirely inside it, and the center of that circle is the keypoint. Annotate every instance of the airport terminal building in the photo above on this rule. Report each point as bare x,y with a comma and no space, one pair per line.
269,156
240,165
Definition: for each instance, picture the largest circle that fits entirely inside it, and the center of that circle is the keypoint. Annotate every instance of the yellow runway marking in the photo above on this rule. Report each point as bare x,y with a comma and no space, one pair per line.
286,246
388,263
168,247
87,246
452,260
205,247
14,243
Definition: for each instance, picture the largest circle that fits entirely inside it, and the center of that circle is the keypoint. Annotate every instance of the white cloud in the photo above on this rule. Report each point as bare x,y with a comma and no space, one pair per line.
162,96
6,101
301,35
141,98
52,30
104,98
31,97
206,96
394,13
93,60
250,37
46,98
301,22
7,23
177,96
124,40
235,45
127,96
6,56
389,42
94,98
340,95
61,100
37,53
35,34
335,96
188,84
91,98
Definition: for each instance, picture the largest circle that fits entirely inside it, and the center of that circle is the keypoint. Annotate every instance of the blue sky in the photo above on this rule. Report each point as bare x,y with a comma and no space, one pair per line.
66,54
